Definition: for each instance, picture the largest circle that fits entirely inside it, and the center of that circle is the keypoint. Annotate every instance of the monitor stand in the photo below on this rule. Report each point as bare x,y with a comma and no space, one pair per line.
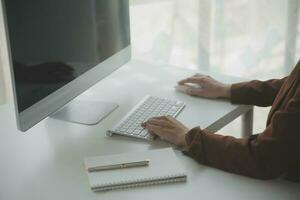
85,112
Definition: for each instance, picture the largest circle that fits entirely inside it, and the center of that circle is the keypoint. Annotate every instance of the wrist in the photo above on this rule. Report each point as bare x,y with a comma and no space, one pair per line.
226,91
182,140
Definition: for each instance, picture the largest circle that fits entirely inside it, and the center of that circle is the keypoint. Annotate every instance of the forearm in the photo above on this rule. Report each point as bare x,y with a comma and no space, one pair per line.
260,93
225,91
222,152
227,153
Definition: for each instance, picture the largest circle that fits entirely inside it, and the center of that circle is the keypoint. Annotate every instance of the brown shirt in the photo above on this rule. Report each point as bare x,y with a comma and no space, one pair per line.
272,153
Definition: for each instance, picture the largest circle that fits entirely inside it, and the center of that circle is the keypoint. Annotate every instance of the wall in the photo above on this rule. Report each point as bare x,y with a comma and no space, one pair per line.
5,89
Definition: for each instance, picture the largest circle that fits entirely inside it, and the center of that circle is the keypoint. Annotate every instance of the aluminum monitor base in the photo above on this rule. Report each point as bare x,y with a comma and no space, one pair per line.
85,112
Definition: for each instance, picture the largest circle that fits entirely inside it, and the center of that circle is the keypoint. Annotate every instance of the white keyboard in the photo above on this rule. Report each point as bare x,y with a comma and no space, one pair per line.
149,107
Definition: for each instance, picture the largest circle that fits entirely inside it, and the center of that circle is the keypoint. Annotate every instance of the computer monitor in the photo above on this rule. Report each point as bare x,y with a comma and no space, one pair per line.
60,48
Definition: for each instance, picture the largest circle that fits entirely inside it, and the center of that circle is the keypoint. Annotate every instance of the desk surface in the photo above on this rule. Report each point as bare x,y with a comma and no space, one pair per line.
47,161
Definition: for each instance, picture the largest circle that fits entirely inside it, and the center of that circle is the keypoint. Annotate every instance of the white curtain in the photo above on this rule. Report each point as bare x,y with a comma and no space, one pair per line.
248,38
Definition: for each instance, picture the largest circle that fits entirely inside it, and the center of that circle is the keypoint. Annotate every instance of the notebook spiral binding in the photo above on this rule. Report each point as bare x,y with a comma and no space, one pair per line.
139,183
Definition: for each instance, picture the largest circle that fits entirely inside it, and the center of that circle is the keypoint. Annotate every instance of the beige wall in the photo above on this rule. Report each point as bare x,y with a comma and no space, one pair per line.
2,86
5,89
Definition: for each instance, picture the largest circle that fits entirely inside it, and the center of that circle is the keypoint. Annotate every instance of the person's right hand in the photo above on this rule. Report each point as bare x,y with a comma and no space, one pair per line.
208,87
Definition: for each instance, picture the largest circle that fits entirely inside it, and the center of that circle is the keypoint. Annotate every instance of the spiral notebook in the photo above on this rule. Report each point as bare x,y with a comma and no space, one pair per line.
164,167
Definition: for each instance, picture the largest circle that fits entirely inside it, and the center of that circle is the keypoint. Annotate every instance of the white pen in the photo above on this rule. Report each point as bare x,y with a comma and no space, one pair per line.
119,166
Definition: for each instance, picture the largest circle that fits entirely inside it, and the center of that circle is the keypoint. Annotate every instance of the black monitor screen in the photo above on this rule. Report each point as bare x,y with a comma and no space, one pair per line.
55,41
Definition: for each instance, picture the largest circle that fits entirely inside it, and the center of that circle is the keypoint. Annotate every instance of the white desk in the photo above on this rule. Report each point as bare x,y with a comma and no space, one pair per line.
47,161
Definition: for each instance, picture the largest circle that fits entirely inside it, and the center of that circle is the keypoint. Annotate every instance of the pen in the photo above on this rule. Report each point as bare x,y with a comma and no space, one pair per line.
119,166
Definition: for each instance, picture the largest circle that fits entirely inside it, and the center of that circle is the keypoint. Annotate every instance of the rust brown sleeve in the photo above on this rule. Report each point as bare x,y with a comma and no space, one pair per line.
260,93
264,156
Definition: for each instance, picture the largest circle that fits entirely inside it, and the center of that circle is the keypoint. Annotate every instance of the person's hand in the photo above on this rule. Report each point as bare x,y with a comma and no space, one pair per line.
208,87
167,128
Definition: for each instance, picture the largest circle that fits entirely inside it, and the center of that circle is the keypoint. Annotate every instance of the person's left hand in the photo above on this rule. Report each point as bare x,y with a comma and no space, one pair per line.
167,128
